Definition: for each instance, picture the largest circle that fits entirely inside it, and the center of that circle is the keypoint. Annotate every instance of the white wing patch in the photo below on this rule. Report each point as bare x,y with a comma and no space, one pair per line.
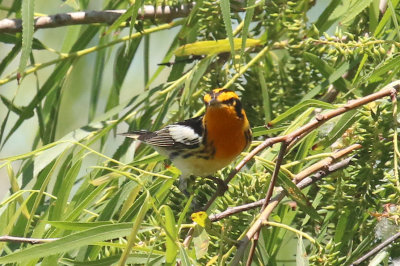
184,135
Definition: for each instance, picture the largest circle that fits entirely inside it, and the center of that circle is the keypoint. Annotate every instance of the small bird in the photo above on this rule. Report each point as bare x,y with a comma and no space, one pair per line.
202,145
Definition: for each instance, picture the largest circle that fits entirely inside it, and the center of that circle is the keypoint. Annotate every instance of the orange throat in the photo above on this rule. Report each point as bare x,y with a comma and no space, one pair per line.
226,132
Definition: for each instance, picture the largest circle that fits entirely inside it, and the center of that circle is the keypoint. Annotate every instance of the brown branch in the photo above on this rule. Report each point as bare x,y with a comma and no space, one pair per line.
268,196
320,119
164,12
26,239
376,249
302,184
389,90
90,17
274,201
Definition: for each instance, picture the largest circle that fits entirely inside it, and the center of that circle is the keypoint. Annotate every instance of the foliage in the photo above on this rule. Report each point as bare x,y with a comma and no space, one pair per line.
110,200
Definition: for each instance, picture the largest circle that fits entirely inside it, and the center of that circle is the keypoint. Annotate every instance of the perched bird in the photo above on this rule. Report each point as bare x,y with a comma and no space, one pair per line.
202,145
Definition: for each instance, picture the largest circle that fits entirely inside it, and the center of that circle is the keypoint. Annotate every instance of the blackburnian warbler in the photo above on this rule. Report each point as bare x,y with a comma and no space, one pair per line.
202,145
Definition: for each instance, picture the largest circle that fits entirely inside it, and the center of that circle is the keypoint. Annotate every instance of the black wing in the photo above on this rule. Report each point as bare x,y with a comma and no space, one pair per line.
183,134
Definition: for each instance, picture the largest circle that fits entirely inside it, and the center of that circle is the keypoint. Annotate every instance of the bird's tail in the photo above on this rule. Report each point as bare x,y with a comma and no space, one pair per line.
135,134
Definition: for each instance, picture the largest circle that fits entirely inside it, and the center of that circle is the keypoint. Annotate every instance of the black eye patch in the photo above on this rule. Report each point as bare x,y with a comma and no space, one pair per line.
237,104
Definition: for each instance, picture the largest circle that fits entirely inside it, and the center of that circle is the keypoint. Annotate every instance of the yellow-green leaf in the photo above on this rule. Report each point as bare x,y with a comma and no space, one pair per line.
213,47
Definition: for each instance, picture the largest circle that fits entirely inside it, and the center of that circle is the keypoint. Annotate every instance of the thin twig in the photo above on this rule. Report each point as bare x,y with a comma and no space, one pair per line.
268,196
275,201
302,184
376,249
26,239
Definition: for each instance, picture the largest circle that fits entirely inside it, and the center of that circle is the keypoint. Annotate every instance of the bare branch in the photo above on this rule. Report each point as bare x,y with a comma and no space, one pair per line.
166,13
378,248
275,201
302,184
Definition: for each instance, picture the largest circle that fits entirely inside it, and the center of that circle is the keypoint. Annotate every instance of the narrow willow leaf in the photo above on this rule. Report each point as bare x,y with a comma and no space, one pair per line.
262,130
344,123
325,20
213,47
171,236
356,8
131,12
73,241
226,16
185,260
27,10
295,193
297,109
134,259
380,29
77,226
265,95
327,71
97,79
342,225
373,14
136,225
13,39
64,193
247,19
9,57
301,253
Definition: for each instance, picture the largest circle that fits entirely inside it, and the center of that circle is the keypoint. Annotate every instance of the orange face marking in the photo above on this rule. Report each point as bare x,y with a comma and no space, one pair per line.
220,95
226,131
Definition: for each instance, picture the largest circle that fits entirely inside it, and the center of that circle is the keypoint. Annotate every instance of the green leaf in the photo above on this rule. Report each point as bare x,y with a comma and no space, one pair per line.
262,130
131,12
226,16
356,7
344,123
297,109
373,14
331,74
213,47
247,20
171,236
77,226
13,39
301,258
295,193
73,241
135,229
265,95
380,29
134,259
27,11
64,193
326,19
201,241
394,18
185,259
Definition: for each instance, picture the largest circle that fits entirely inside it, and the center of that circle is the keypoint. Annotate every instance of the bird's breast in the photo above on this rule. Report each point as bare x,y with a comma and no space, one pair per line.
226,132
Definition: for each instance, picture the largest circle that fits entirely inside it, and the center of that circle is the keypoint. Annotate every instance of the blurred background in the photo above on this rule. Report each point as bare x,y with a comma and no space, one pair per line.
76,93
